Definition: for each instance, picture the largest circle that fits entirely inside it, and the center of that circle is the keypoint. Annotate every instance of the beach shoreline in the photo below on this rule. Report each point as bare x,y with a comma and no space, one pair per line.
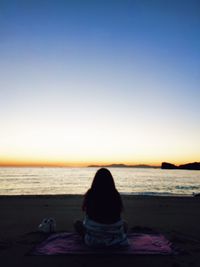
173,216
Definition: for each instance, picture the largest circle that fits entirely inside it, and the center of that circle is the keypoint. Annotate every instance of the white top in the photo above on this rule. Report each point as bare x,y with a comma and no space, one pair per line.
104,235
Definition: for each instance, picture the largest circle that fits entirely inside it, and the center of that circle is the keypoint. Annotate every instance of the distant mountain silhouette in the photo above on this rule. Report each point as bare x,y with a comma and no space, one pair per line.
188,166
164,165
120,165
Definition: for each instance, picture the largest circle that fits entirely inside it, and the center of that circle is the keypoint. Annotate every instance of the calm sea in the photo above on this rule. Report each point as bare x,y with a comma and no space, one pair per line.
29,181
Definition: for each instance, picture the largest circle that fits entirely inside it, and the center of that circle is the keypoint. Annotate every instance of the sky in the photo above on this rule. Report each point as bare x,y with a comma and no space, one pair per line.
91,82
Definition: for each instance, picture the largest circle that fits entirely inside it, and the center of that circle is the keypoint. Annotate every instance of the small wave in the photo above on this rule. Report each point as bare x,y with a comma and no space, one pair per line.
161,194
188,187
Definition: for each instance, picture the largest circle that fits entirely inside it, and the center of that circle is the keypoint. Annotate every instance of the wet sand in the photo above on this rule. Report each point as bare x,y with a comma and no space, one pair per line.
176,217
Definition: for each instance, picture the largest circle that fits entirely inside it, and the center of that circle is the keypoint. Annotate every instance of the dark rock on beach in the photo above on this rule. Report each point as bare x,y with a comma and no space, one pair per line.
196,195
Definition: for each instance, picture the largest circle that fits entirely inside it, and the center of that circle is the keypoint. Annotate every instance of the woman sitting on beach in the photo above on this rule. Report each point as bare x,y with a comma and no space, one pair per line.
103,226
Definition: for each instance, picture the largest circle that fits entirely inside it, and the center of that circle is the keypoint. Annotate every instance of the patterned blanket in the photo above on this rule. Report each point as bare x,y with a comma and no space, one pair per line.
71,243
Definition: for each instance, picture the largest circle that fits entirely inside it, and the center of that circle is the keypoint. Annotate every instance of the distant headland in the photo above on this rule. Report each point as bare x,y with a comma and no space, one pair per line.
188,166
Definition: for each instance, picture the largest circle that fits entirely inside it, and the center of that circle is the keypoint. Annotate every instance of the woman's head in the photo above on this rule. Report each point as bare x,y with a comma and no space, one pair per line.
102,201
103,181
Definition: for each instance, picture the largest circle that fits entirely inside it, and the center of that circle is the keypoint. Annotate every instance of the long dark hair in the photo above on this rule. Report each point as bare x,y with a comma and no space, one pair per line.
103,182
102,197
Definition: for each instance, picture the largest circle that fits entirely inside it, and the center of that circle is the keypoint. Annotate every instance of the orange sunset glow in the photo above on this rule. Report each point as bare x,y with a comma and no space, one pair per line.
118,85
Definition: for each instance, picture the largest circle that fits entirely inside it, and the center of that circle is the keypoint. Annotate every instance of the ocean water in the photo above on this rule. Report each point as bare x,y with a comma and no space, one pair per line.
36,181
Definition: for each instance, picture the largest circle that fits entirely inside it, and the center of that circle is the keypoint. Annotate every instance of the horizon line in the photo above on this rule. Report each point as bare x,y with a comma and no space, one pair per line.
82,164
68,165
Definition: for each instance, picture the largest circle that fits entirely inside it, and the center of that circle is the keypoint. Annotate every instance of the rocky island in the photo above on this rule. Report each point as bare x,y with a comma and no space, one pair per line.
188,166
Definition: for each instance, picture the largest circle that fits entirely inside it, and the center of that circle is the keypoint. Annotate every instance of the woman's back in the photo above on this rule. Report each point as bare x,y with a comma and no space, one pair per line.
104,207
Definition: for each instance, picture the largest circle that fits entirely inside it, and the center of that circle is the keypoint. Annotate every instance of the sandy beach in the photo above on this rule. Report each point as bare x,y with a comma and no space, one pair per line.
176,217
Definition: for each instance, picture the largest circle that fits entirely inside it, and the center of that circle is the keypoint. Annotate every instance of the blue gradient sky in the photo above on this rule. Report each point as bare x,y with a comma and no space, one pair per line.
99,81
